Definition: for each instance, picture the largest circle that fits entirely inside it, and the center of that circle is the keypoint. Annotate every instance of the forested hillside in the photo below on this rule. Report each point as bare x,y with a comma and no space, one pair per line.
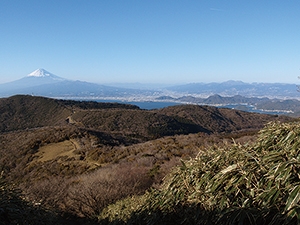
67,159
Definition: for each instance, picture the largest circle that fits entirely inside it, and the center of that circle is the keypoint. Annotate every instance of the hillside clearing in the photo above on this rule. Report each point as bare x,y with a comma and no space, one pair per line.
54,150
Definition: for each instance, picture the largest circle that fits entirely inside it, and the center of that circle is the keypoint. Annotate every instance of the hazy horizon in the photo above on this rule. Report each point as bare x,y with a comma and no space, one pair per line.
141,84
156,42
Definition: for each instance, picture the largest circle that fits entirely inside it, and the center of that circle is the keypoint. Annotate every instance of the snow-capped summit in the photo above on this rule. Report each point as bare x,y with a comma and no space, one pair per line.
41,73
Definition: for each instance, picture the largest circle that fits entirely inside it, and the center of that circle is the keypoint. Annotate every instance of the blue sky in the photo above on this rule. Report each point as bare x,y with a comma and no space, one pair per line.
155,41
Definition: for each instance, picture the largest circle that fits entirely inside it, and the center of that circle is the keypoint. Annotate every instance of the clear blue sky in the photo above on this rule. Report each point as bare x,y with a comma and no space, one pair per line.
157,41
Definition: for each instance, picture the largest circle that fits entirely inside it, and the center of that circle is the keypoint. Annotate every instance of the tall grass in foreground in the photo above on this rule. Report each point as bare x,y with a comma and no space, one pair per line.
257,183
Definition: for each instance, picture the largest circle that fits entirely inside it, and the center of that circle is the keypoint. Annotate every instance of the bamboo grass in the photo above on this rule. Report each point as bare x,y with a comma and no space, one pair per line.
255,183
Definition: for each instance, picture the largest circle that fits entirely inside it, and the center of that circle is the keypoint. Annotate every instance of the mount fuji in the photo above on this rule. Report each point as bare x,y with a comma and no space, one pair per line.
22,86
43,83
41,73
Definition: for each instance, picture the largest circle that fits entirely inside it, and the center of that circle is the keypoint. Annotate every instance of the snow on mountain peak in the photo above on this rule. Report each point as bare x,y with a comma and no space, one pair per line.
40,73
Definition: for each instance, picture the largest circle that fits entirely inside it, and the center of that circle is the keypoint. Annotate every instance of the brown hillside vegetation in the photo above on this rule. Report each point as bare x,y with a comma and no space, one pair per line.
78,157
41,127
249,184
22,112
217,120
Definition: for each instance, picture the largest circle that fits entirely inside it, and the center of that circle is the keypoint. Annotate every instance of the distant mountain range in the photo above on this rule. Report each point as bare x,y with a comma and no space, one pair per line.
231,88
43,83
254,104
263,96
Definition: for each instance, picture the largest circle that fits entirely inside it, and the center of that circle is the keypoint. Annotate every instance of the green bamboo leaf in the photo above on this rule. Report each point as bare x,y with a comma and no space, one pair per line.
271,196
273,157
293,198
290,136
183,164
286,175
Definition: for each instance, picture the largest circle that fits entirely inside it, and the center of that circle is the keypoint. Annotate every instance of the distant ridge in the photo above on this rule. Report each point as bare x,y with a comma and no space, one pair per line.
43,83
231,88
124,119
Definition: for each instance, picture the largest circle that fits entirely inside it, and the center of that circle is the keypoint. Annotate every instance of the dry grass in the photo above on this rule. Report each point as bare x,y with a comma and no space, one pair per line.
54,150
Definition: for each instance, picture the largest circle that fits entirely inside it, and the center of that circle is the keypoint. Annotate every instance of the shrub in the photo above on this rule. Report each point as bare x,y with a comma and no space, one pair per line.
91,193
233,184
14,209
50,193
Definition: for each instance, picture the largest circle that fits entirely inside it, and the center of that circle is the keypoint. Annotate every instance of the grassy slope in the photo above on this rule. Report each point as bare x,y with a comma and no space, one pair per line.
235,184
